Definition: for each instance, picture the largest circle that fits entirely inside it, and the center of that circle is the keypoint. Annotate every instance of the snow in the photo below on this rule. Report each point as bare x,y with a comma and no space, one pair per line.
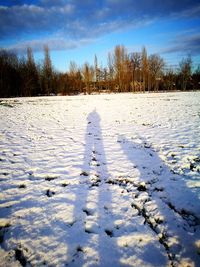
100,180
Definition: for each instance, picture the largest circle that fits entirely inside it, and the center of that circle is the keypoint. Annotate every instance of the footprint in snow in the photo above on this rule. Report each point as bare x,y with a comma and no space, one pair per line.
49,178
109,232
84,173
64,184
22,186
87,211
50,193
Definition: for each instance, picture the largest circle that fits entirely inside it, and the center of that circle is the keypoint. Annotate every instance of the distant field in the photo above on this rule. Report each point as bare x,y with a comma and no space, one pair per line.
100,180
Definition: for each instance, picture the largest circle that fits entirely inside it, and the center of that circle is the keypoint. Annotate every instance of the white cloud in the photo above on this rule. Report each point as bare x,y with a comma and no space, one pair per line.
55,43
77,20
189,44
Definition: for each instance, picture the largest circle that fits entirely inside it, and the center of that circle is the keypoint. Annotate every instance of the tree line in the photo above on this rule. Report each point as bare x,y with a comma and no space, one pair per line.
125,72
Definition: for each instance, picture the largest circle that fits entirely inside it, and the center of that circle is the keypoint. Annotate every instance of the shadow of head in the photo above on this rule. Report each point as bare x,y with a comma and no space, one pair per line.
93,117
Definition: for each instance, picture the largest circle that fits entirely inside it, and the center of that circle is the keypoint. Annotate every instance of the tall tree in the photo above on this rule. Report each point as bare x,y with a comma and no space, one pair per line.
88,76
47,80
97,73
156,65
119,64
196,78
110,66
10,78
32,77
96,69
144,68
185,71
169,80
73,69
135,59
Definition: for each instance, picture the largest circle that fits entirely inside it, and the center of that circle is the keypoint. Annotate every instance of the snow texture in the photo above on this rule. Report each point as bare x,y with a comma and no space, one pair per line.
100,180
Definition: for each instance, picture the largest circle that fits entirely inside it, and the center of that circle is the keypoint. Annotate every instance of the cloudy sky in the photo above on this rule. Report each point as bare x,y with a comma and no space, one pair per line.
78,29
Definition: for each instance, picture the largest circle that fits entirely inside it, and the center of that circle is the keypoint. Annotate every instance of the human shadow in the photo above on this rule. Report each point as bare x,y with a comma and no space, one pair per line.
165,202
96,205
98,199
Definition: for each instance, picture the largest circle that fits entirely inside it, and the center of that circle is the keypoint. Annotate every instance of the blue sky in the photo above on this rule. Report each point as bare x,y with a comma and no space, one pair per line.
78,29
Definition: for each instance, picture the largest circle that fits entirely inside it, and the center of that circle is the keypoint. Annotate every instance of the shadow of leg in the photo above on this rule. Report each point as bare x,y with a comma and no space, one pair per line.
167,205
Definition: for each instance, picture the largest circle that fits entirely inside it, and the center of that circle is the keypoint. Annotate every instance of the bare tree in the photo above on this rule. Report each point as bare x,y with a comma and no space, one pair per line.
32,74
97,73
72,76
135,59
120,56
47,72
88,76
21,76
185,71
196,78
10,77
156,65
169,80
144,68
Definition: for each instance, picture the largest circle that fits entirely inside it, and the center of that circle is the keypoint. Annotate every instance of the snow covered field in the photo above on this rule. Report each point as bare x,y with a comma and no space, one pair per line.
100,180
